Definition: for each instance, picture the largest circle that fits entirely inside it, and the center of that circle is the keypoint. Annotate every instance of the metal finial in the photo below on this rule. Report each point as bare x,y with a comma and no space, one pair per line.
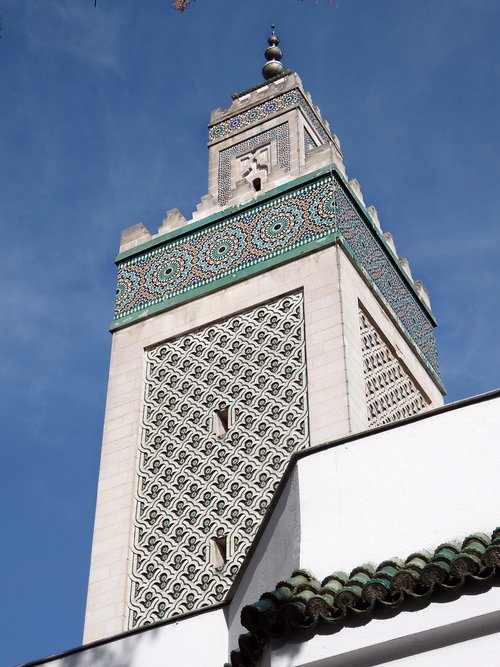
273,55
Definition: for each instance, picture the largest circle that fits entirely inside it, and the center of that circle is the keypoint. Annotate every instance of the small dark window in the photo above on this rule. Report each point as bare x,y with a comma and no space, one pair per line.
257,184
221,422
218,552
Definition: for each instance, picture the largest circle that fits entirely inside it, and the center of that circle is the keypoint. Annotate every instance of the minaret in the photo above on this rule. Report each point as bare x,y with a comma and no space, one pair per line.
277,318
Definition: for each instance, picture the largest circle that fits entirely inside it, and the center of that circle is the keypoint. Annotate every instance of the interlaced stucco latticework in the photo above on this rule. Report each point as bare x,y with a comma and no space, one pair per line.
390,394
196,483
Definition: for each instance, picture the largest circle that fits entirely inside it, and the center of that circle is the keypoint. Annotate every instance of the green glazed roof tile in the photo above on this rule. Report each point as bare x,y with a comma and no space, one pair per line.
366,568
491,556
349,596
338,577
304,595
422,555
397,563
324,597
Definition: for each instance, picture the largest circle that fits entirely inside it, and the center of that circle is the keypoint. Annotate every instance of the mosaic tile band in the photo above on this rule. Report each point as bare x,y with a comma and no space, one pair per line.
235,244
265,111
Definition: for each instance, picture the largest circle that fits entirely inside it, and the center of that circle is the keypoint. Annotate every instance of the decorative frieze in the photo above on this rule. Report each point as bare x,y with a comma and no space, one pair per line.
235,245
266,110
309,143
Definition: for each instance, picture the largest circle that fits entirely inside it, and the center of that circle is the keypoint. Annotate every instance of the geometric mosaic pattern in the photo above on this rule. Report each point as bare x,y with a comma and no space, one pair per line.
390,393
278,134
195,484
265,111
234,245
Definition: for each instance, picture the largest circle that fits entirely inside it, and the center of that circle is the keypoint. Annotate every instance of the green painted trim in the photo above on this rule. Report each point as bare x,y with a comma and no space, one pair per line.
231,279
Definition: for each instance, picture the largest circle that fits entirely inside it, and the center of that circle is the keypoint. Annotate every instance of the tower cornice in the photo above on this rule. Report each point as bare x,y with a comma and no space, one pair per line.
321,210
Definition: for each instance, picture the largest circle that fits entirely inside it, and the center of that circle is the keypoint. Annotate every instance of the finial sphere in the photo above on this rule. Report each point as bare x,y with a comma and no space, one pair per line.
273,55
272,69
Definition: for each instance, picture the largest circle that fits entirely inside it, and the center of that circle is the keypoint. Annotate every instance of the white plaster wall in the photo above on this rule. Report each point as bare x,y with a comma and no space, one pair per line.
276,556
200,641
479,651
391,493
463,633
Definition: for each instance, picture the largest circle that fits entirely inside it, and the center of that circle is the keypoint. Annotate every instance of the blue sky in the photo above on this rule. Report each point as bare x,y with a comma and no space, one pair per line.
104,118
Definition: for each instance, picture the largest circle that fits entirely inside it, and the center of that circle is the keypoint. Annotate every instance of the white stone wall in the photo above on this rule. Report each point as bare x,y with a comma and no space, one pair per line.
356,293
297,122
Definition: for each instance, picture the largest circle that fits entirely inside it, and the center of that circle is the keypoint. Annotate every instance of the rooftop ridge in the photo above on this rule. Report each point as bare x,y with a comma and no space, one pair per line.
302,601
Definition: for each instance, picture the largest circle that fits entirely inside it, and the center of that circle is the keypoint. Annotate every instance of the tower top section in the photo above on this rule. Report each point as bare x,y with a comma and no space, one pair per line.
270,146
273,56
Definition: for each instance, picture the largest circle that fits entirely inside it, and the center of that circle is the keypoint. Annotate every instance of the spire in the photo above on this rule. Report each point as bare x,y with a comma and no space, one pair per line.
273,55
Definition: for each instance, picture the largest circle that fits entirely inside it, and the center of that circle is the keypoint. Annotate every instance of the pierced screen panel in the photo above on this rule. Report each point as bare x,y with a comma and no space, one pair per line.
389,391
224,407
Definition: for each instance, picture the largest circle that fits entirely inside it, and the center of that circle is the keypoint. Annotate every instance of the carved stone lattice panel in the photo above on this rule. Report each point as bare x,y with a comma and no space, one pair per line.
224,407
390,393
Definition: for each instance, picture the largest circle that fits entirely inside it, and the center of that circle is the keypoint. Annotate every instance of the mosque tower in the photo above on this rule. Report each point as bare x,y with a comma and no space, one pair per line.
279,317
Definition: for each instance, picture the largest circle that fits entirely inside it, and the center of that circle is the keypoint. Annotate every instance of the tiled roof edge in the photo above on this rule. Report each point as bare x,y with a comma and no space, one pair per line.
302,602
